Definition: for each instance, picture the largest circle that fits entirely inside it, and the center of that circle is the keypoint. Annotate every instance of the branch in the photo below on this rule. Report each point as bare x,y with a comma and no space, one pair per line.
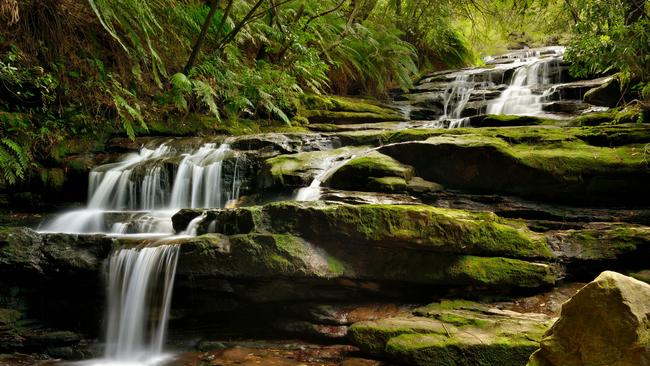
337,7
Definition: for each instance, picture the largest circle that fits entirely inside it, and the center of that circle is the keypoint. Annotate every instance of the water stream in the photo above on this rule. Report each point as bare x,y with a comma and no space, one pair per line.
141,193
139,293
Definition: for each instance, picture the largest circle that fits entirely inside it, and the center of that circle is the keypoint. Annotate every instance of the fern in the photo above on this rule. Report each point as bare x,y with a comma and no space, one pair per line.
207,94
14,161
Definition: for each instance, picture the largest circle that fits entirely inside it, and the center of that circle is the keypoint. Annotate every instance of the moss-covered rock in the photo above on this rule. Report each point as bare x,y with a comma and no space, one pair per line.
544,163
23,251
415,226
607,95
605,323
342,110
602,242
453,333
298,170
372,171
502,120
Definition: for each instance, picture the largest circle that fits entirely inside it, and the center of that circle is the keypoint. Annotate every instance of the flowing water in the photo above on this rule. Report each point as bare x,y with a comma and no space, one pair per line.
516,84
327,167
139,293
142,192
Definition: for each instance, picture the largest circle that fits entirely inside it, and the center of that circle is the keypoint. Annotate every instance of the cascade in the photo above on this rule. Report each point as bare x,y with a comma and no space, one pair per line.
141,193
327,167
518,83
139,293
528,89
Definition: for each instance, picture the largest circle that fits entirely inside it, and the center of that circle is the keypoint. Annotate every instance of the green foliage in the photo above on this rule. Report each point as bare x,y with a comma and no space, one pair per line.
127,106
607,36
134,24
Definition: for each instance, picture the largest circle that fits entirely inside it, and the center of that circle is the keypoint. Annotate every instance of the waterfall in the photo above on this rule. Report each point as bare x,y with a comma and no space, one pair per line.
458,94
144,190
139,292
523,96
327,167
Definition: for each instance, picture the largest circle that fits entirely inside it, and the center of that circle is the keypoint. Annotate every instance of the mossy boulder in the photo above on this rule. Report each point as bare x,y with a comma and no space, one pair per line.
606,323
607,95
372,172
298,170
23,251
552,164
342,110
603,242
399,243
453,333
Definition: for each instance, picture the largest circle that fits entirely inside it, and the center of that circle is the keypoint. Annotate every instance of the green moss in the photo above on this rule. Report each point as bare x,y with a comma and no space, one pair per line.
594,119
372,336
458,350
335,266
607,243
373,171
302,166
495,272
502,120
387,184
334,109
420,226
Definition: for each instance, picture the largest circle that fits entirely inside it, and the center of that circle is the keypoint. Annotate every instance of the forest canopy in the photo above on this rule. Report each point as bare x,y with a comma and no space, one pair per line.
72,68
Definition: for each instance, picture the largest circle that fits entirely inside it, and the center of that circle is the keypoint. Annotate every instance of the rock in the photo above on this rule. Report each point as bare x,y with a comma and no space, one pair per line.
391,226
372,171
606,323
602,242
566,106
24,251
360,198
494,120
453,333
552,164
607,95
10,338
418,185
298,170
341,110
309,330
383,244
575,90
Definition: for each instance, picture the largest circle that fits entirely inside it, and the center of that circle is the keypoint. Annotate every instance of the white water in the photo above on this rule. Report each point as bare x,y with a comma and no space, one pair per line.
535,72
521,96
139,293
327,167
142,195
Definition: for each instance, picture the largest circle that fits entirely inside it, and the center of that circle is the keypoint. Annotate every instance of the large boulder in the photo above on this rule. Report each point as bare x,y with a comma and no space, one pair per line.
606,323
607,95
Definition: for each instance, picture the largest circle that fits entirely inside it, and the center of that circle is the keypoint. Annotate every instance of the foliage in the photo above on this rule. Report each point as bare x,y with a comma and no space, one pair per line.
606,37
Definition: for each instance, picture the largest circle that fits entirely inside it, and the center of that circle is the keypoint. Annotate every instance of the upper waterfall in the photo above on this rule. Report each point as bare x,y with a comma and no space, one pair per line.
140,193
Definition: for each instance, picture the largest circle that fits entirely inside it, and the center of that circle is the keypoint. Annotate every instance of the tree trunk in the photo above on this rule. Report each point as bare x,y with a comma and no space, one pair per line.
199,41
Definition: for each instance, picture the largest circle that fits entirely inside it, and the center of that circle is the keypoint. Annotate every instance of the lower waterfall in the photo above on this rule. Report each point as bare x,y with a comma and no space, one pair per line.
139,292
